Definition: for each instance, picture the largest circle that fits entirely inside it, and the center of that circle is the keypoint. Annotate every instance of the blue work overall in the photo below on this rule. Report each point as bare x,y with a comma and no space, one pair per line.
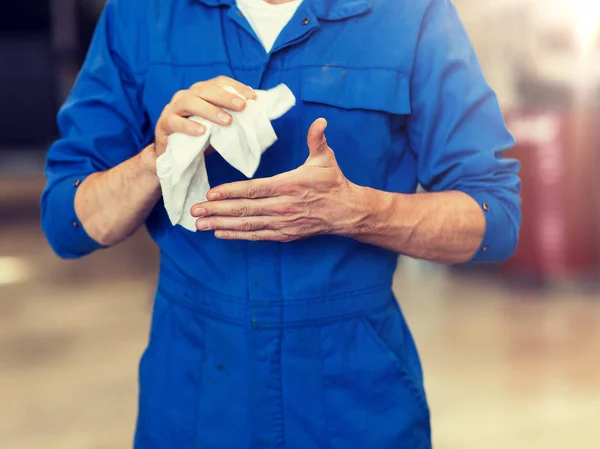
301,345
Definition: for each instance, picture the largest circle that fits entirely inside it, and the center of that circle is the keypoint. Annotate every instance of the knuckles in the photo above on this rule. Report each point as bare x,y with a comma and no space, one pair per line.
171,121
253,192
179,96
240,210
246,226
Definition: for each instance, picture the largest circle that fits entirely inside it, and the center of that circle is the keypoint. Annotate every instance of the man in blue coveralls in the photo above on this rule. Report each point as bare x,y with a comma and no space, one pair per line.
275,326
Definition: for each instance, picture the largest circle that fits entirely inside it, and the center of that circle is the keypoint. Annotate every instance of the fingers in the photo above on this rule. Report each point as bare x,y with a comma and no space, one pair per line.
207,100
177,124
218,96
246,91
189,103
255,188
253,236
245,208
317,143
233,223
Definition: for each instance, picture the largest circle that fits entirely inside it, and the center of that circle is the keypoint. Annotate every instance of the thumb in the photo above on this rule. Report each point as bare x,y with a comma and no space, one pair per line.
317,143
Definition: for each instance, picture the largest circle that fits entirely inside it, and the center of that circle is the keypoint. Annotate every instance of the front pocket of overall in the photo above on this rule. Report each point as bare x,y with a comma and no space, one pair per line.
411,379
169,379
370,400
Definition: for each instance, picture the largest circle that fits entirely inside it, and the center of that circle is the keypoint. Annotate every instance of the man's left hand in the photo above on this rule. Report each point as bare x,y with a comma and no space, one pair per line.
314,199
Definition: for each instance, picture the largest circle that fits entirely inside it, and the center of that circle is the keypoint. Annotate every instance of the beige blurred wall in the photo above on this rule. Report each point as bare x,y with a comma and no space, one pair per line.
494,34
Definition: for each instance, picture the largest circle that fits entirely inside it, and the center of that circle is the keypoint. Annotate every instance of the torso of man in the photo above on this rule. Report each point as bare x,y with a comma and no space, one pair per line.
321,61
233,386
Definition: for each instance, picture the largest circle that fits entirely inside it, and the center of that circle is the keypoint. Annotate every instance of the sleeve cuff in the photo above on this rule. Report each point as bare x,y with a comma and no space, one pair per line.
67,236
498,244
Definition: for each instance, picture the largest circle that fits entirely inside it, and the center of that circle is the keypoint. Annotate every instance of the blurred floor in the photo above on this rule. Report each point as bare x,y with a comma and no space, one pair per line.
504,368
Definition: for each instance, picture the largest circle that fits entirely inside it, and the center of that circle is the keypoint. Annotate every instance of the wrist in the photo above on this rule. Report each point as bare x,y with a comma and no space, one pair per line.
147,159
370,212
147,168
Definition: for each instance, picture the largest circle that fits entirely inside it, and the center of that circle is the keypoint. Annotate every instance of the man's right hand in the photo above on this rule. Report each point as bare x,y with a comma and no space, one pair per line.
205,99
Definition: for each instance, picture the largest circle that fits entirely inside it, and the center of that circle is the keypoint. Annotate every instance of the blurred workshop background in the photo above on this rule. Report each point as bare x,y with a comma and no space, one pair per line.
511,352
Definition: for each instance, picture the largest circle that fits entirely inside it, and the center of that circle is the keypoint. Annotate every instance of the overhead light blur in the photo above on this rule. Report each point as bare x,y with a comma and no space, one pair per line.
14,270
577,64
583,17
587,22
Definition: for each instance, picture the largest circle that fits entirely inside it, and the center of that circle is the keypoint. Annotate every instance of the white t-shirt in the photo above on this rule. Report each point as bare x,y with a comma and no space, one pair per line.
268,20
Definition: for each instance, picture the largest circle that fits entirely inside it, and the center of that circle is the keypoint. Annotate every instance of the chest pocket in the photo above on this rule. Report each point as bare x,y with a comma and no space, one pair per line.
365,110
383,90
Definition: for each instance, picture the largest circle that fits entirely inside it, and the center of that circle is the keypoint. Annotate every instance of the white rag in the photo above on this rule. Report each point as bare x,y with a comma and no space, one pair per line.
182,169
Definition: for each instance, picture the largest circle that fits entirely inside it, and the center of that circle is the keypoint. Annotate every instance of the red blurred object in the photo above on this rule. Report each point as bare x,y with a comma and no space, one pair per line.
560,234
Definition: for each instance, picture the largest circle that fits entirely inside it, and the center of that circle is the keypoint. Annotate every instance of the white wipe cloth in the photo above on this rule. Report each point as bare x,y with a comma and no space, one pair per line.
182,170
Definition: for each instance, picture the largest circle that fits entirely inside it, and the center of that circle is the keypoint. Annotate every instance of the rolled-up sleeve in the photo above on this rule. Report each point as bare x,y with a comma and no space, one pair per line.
457,131
101,124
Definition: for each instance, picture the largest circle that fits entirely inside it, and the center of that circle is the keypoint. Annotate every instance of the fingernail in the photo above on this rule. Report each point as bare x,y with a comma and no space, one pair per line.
238,103
199,130
213,196
224,118
203,226
199,212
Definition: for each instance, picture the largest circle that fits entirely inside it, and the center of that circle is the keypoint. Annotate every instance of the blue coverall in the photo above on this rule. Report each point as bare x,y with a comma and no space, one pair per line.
264,345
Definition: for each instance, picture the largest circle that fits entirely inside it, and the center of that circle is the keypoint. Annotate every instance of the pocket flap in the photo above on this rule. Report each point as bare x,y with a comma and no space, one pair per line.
384,90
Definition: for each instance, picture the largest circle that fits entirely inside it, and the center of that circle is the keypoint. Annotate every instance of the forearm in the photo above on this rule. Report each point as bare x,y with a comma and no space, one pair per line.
112,205
445,227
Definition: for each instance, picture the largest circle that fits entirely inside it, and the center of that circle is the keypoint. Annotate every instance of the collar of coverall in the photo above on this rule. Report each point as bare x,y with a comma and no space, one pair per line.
323,9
